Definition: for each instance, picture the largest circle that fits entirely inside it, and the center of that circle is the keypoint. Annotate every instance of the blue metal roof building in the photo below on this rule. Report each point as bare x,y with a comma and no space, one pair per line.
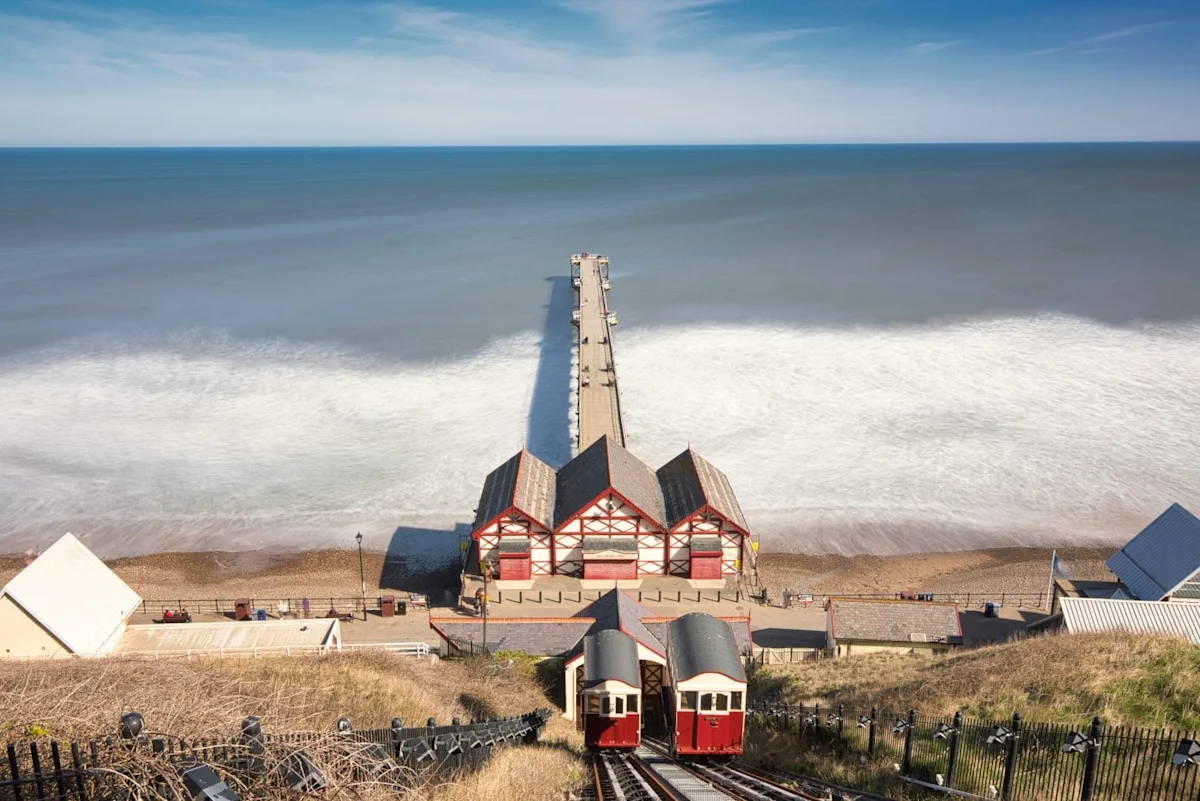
1163,561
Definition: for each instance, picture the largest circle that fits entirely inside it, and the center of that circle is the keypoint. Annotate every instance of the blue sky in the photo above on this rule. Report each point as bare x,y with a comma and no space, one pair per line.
342,72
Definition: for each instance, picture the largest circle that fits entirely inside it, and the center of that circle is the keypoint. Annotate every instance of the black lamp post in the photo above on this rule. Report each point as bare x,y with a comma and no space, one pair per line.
362,576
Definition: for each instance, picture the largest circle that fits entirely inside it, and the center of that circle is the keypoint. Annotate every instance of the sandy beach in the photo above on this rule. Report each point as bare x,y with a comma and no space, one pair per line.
335,573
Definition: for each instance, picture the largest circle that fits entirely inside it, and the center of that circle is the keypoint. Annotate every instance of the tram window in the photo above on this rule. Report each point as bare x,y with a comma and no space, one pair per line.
735,701
631,704
593,704
687,702
706,702
606,705
722,702
619,705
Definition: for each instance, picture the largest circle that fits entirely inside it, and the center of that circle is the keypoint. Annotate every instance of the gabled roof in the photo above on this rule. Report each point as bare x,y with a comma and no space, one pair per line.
894,621
525,484
75,597
535,636
1166,553
1086,615
617,611
605,466
610,654
700,643
690,484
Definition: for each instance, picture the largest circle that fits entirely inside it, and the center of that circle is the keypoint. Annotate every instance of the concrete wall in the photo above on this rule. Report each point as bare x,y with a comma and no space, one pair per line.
879,647
21,635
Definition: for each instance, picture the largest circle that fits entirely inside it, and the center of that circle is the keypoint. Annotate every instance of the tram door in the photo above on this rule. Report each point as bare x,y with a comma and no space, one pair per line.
652,702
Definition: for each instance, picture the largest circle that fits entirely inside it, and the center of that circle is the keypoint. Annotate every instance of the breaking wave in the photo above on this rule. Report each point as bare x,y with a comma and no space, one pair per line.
1016,431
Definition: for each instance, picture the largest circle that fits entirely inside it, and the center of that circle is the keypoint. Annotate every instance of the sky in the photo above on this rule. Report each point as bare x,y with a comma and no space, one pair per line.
564,72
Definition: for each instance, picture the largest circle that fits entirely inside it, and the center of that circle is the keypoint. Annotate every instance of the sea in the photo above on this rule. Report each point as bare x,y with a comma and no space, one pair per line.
886,348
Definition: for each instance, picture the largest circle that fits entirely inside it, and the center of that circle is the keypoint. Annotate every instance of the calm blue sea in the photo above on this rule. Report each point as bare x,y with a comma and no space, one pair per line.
887,348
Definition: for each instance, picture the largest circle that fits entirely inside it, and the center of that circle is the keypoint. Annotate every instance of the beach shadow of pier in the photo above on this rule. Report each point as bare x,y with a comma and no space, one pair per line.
425,560
548,431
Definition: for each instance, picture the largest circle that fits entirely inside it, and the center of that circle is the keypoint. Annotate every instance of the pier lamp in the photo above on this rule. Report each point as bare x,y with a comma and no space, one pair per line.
1188,753
362,576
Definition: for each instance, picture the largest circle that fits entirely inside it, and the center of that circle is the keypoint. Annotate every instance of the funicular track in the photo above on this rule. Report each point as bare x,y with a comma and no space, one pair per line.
650,773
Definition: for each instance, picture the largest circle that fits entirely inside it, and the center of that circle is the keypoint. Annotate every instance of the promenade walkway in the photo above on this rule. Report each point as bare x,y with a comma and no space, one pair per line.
598,403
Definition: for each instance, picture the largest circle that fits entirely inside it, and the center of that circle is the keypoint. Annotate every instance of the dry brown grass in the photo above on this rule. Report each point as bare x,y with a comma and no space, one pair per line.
73,698
1126,679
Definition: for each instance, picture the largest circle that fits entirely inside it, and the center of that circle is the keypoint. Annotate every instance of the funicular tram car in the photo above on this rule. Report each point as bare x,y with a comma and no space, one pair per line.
705,697
612,691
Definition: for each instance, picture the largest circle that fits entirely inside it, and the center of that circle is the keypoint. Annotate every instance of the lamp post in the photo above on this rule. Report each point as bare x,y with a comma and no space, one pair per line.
362,576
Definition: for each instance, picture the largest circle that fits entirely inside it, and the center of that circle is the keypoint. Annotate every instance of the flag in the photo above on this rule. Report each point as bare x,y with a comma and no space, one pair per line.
1058,568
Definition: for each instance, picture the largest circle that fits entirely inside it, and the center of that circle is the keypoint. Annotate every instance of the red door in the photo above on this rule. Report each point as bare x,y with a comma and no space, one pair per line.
706,566
515,567
625,569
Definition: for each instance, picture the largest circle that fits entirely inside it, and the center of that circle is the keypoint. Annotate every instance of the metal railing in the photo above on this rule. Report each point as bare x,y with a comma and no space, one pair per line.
1010,759
50,770
643,596
414,649
317,606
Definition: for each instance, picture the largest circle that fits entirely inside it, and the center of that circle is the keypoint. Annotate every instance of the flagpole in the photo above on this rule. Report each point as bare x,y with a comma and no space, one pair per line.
1050,589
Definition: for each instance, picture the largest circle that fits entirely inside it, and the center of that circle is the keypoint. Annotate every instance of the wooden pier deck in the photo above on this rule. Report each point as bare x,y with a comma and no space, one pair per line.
598,403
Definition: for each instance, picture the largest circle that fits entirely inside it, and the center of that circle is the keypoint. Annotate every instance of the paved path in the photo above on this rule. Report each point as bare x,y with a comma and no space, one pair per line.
599,407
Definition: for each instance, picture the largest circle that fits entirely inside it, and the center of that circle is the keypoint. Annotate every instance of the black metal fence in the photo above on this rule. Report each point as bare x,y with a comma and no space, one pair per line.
1008,760
99,769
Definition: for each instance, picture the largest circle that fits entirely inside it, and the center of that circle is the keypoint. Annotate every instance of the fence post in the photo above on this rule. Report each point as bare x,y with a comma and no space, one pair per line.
14,771
841,721
908,742
871,733
952,768
1093,760
1010,758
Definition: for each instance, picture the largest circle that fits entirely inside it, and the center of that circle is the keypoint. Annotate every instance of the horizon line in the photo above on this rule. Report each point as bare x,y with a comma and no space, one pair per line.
629,146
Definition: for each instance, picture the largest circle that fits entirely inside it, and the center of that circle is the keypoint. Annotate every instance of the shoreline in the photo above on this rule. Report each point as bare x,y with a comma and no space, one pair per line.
335,572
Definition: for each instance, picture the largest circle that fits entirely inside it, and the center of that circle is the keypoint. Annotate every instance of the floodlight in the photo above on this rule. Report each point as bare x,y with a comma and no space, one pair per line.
203,784
864,721
301,774
944,731
343,725
471,741
1000,736
809,719
1077,743
418,749
1188,753
132,726
833,718
900,726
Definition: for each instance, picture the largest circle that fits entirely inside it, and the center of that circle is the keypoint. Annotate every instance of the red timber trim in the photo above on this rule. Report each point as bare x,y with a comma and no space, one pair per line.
684,526
642,516
512,507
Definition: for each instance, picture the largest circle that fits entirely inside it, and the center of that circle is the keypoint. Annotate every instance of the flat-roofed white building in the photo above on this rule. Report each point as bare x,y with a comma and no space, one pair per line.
66,603
248,638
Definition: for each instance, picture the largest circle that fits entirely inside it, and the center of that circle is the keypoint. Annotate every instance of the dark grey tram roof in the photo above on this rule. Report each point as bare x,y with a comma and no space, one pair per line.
524,482
610,654
602,466
700,643
1161,559
690,482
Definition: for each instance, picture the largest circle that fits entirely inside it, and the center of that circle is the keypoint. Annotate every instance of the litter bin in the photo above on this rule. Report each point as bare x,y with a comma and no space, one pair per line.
387,606
989,609
241,609
262,614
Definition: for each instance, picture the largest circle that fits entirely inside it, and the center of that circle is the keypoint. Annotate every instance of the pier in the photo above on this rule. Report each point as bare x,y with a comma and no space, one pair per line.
598,401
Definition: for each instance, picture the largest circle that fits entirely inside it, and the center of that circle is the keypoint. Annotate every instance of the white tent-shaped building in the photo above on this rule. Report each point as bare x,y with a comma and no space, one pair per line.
66,603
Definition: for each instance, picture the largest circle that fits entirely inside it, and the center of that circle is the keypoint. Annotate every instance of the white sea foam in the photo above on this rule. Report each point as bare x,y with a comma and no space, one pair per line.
999,432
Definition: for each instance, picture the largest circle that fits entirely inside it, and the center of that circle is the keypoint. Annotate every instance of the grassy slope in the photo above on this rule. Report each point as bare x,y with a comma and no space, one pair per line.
84,698
1132,680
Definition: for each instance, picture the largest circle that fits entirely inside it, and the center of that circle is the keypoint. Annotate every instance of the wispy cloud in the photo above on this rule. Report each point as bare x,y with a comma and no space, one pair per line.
1081,45
934,47
790,34
644,19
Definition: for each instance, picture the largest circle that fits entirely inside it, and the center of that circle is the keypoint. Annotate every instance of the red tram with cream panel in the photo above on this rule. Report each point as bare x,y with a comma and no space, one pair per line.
612,691
705,699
